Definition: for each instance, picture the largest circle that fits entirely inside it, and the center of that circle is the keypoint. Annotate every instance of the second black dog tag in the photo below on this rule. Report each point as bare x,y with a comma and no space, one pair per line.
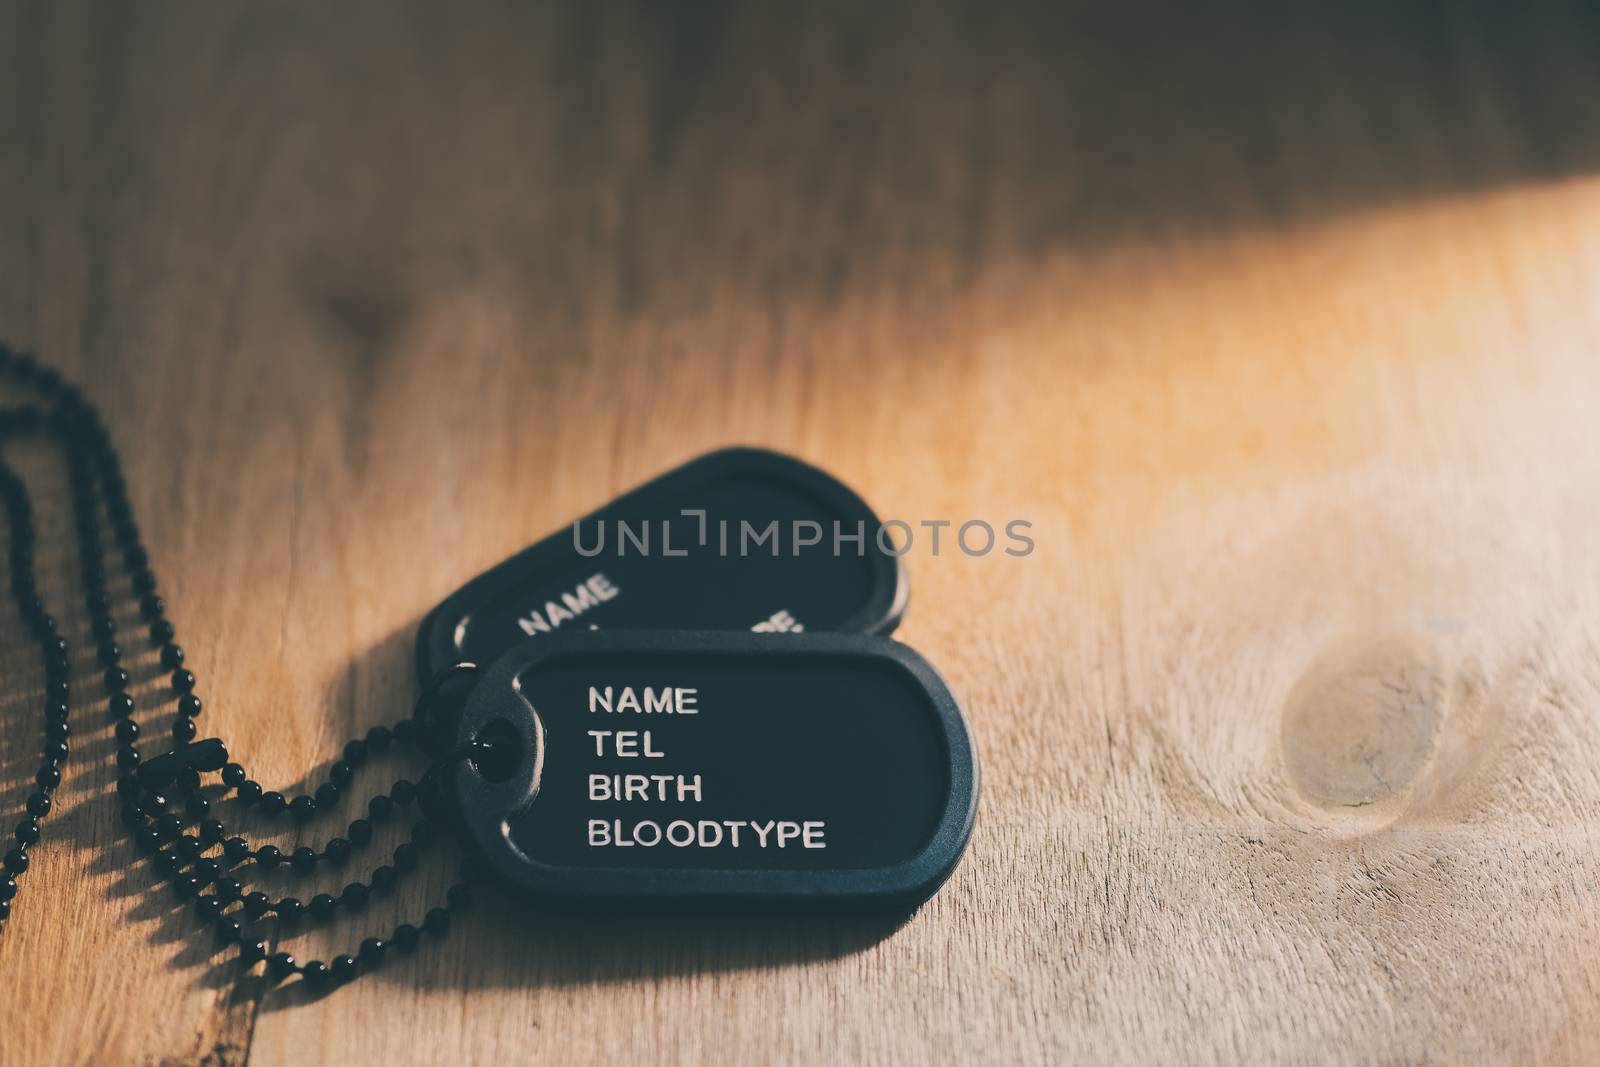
740,539
718,766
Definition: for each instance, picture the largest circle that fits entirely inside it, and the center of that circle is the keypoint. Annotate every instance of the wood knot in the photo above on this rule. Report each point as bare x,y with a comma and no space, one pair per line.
1360,727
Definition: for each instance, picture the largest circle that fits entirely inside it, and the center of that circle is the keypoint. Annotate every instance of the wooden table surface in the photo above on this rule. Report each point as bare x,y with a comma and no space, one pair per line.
1283,331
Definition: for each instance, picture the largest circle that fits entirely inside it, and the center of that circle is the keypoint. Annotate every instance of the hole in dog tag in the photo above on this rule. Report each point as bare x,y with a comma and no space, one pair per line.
718,766
724,542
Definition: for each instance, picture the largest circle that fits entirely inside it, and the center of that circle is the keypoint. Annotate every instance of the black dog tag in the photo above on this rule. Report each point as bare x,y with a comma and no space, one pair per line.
718,766
739,539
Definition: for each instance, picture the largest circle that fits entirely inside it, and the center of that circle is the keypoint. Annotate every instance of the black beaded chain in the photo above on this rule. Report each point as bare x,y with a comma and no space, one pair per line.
161,796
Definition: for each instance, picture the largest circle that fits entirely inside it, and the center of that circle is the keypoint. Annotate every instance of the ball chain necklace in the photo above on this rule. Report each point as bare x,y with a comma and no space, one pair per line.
675,757
162,805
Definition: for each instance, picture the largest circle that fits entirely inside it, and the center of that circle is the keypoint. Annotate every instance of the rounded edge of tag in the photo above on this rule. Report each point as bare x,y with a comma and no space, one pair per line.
437,636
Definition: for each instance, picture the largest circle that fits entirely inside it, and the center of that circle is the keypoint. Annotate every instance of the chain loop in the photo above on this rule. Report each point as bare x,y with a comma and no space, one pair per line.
161,796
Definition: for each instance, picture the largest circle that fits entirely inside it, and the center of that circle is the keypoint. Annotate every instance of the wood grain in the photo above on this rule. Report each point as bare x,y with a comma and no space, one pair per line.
1281,328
